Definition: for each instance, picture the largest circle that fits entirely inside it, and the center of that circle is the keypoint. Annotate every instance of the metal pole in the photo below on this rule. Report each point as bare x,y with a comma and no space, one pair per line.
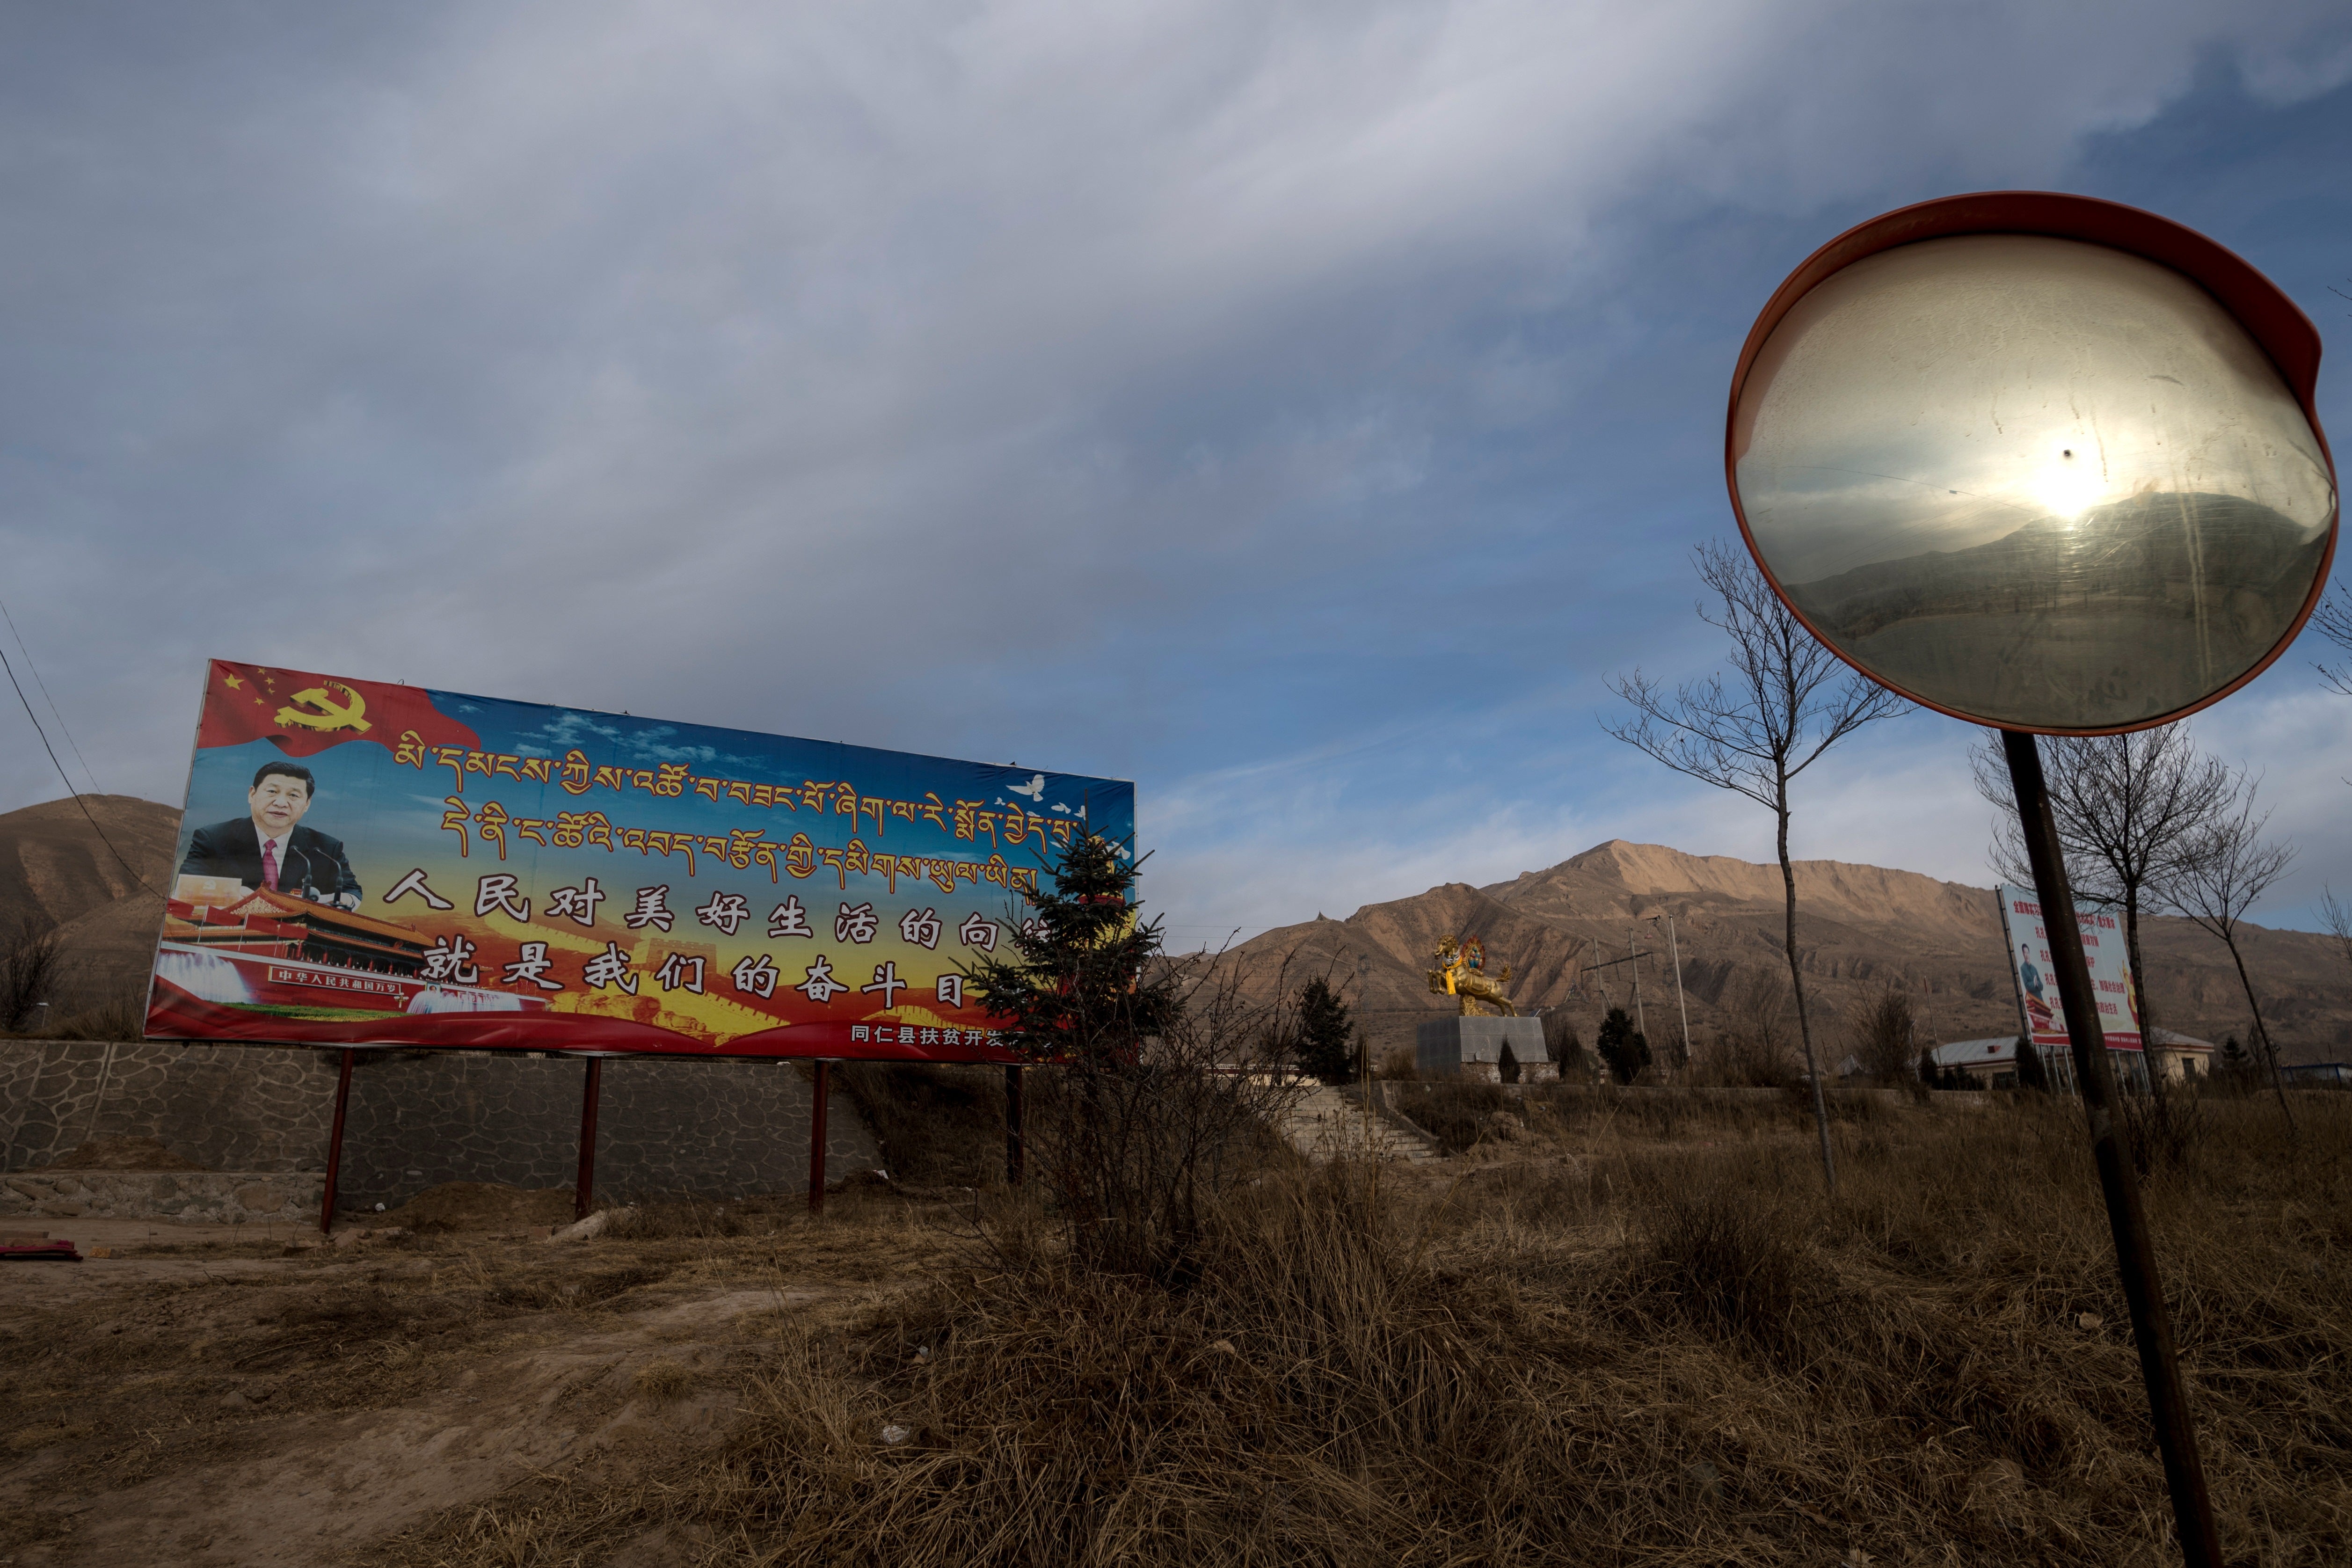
583,1185
335,1144
2176,1438
1012,1146
1683,1008
816,1137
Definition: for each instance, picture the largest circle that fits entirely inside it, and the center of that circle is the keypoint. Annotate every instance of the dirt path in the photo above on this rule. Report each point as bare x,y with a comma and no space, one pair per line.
211,1399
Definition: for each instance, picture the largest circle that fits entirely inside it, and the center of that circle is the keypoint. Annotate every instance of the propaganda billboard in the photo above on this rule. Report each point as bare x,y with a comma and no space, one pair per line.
365,863
2042,1014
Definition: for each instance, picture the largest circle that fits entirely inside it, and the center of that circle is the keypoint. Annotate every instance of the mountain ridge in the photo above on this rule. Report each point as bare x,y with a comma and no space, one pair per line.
1860,928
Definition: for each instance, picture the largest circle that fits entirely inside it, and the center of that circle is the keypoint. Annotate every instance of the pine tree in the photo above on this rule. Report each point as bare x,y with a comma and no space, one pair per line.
2031,1071
1077,985
1326,1036
1623,1047
2237,1065
1565,1047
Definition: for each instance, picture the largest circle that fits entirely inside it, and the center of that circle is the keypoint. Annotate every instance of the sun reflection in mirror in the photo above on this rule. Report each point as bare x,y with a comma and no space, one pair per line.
2069,485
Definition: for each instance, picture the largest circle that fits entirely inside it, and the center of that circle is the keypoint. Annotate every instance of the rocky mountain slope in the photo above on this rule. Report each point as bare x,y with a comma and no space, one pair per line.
1859,928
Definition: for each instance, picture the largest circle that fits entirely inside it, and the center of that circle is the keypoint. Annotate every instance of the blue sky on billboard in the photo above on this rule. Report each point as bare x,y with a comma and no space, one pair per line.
1297,411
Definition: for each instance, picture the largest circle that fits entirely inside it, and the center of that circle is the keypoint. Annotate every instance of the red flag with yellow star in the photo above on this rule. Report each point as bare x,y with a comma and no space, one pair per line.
303,714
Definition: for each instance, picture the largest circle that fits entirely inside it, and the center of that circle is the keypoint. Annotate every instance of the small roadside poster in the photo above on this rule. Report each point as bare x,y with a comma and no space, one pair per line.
2102,935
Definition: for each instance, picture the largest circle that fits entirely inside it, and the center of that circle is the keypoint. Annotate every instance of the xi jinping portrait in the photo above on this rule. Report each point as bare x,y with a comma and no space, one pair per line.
269,847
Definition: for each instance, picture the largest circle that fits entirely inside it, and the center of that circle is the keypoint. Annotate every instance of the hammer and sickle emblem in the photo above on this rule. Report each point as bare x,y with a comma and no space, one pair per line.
323,713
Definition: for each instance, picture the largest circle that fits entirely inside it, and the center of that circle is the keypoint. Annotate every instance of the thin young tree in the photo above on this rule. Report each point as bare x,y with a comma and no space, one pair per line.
1785,701
2223,872
2126,808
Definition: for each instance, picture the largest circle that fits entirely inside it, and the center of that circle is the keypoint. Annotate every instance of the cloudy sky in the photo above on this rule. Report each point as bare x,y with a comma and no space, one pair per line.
1299,409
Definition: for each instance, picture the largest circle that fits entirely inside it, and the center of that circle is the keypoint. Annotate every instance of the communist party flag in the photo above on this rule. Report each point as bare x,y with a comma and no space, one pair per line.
303,714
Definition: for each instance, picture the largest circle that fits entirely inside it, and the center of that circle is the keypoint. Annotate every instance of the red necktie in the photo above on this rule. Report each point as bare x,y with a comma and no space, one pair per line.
269,867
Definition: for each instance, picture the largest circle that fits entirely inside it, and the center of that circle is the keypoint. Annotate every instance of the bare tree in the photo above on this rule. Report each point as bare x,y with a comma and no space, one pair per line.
31,959
2339,922
2126,807
1785,701
1754,1047
1883,1035
2333,620
2224,871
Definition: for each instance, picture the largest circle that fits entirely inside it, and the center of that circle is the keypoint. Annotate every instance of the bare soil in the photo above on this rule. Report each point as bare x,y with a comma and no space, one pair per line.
211,1395
1634,1333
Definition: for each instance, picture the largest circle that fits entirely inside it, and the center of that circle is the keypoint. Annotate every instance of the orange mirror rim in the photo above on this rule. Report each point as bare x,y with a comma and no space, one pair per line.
2277,326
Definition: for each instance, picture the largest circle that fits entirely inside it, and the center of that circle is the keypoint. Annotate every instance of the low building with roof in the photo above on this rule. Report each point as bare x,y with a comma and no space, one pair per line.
1992,1063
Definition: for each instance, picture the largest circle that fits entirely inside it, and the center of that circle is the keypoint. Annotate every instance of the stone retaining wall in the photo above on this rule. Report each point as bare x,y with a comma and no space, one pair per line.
200,1197
718,1127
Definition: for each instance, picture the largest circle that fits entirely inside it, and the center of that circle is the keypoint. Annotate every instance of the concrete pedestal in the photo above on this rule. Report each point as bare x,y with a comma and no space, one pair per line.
1497,1050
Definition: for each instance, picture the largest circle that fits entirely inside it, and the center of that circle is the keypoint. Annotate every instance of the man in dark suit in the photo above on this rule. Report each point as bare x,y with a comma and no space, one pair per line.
270,849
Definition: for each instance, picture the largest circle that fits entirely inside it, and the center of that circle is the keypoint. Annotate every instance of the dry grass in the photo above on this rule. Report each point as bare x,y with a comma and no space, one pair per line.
1462,1116
1610,1348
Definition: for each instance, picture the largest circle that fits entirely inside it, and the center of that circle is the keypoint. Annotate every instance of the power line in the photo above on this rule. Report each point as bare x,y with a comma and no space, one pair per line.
43,734
87,771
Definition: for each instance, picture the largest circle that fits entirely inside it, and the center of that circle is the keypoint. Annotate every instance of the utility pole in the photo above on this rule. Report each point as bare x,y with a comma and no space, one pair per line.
1630,955
1674,948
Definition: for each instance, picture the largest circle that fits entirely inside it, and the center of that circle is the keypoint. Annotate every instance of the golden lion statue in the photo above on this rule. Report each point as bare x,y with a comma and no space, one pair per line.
1462,974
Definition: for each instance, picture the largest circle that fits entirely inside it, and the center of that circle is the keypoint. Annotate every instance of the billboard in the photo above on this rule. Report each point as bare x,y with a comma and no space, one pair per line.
365,863
2037,987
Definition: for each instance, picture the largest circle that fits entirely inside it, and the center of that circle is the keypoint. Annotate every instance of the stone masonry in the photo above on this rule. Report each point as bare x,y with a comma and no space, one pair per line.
203,1197
716,1128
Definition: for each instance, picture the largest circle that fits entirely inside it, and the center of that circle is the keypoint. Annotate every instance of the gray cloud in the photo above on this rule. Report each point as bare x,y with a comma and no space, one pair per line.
1151,390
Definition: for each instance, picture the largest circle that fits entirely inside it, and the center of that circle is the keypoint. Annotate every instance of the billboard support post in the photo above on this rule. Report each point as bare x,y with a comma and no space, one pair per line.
2135,1256
1013,1143
823,1089
583,1185
335,1144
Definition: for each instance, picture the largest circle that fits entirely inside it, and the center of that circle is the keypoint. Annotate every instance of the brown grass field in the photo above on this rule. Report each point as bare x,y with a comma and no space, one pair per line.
1617,1330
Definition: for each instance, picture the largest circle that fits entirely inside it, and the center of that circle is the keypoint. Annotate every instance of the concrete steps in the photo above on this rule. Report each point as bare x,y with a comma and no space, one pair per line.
1326,1123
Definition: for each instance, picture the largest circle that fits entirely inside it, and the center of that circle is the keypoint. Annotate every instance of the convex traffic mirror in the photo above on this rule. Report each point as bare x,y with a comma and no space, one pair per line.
2006,462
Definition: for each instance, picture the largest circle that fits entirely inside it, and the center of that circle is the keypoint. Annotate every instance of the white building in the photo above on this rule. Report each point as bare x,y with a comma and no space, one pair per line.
1993,1062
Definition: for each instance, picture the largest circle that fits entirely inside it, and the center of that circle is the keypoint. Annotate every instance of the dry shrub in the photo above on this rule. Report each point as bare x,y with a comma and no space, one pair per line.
937,1126
121,1017
1737,1264
2165,1133
1132,1150
662,1382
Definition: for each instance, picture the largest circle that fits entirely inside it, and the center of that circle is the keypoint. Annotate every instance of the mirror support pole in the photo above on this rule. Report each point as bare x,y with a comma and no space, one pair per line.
2176,1438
